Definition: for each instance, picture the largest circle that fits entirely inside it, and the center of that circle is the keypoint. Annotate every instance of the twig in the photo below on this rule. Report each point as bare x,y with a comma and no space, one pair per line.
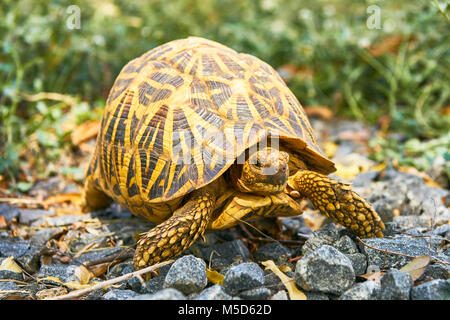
398,253
101,285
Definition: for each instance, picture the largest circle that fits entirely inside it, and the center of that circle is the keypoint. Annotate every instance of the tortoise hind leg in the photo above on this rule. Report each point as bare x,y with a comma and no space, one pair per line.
338,201
177,233
93,198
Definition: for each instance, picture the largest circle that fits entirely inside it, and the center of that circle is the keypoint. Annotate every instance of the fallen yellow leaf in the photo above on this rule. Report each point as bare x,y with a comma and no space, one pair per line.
10,265
214,276
294,293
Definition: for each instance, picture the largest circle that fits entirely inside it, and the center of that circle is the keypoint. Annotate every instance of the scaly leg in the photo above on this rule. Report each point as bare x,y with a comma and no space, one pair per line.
338,201
177,233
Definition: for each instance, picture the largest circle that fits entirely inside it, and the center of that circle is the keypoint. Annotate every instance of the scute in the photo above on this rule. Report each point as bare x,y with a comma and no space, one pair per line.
178,116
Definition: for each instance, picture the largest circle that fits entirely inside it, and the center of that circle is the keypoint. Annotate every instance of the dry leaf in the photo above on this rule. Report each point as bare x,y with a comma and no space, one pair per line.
74,198
373,276
321,111
294,293
3,222
86,131
10,265
416,267
387,45
84,274
214,276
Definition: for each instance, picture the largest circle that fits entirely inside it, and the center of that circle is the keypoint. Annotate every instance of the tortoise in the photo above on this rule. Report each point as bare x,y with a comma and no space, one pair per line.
197,136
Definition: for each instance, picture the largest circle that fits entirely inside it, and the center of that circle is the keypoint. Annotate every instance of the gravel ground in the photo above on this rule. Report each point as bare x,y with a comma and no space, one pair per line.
326,264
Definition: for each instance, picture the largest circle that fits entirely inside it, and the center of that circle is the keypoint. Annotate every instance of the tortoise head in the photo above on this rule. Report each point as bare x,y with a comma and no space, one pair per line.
266,171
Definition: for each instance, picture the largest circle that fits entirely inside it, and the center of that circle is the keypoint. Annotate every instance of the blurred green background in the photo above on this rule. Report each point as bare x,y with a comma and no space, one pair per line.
395,76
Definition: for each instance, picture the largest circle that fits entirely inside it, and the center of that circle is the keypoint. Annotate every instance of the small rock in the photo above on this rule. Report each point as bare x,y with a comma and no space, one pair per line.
8,211
10,290
40,237
255,294
432,290
187,274
325,270
23,252
359,263
11,275
395,285
280,295
410,246
346,245
311,295
222,255
272,251
215,292
327,235
367,290
118,294
59,221
27,216
435,272
65,273
272,281
413,221
243,276
165,294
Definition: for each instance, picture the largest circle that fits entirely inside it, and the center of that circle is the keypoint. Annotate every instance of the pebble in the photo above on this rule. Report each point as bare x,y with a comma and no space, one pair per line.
432,290
325,270
27,216
118,294
243,276
23,251
395,285
164,294
255,294
215,292
187,274
359,262
367,290
65,273
272,251
280,295
221,256
346,245
8,211
327,235
407,245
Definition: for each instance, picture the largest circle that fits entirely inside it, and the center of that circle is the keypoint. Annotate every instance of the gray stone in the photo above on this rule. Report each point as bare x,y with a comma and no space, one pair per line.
272,281
10,290
367,290
27,216
59,221
118,294
11,275
359,262
346,245
255,294
395,285
243,276
8,211
432,290
327,235
187,274
165,294
272,251
311,295
280,295
65,273
220,256
40,237
435,272
411,246
215,292
23,252
325,270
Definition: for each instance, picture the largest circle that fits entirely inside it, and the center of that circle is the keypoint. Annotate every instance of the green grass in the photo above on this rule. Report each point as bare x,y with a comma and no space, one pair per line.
327,41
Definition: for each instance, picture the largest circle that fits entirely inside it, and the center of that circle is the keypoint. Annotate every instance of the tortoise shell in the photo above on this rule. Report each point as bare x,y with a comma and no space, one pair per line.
178,116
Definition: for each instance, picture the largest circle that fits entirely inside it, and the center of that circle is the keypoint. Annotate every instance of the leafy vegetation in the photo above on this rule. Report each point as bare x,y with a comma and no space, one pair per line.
53,78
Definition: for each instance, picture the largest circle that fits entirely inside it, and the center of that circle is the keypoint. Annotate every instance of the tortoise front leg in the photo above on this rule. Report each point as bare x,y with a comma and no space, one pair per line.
338,201
177,233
